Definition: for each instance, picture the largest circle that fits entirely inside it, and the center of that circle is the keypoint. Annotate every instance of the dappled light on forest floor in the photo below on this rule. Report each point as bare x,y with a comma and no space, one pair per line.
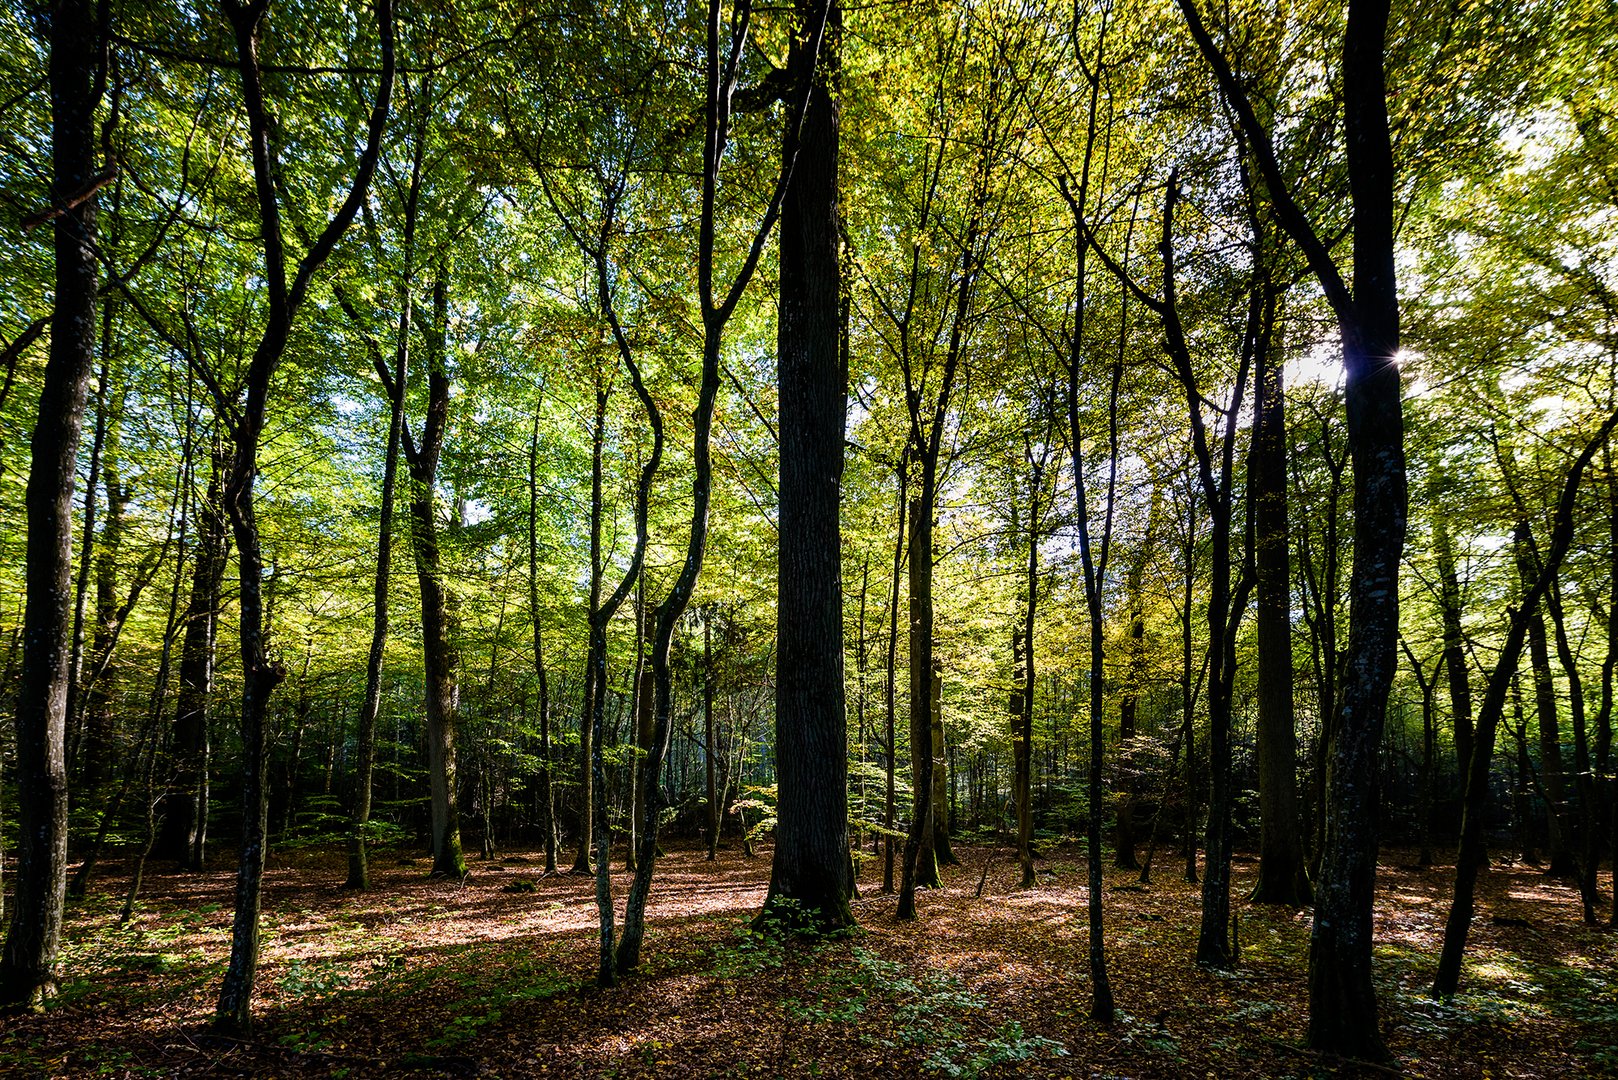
494,976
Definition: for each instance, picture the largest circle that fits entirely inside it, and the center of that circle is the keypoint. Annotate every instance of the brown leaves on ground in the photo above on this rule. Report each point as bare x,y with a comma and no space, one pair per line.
493,976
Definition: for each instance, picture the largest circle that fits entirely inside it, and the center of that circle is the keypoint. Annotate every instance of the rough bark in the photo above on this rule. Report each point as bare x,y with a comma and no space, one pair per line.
1342,996
811,865
28,962
1282,870
440,656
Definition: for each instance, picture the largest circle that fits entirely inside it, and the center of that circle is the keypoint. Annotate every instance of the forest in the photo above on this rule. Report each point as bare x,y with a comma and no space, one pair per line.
925,538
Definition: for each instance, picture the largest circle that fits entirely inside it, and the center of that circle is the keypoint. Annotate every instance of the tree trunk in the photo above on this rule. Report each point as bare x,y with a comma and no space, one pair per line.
1282,872
185,830
97,750
812,865
710,775
1502,680
359,871
1342,996
1550,751
260,675
440,656
890,690
1589,859
920,866
1124,840
28,962
547,795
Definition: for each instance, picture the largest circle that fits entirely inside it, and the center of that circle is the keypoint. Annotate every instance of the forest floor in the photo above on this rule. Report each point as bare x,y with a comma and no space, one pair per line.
493,977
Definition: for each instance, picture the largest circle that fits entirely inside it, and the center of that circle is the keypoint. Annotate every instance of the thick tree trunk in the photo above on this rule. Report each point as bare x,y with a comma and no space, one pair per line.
1342,996
440,656
811,864
720,85
1282,869
28,961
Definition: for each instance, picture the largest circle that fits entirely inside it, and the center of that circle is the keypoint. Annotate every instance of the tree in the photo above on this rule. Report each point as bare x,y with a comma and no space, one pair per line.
28,963
1342,997
1544,569
261,674
721,71
811,865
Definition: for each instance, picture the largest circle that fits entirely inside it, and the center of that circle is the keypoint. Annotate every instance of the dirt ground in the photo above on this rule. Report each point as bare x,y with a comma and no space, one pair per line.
493,976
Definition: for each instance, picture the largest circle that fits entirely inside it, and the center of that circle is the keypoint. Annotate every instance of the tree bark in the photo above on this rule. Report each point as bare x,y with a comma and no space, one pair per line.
811,865
185,816
1282,870
28,963
440,656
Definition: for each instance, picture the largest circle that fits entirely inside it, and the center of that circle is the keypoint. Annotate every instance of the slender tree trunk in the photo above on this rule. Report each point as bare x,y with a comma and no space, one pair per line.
1550,751
359,871
1501,682
594,688
920,865
708,763
1455,669
97,751
890,690
185,815
260,675
1584,781
1188,694
547,795
1522,802
81,585
1124,834
1023,648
